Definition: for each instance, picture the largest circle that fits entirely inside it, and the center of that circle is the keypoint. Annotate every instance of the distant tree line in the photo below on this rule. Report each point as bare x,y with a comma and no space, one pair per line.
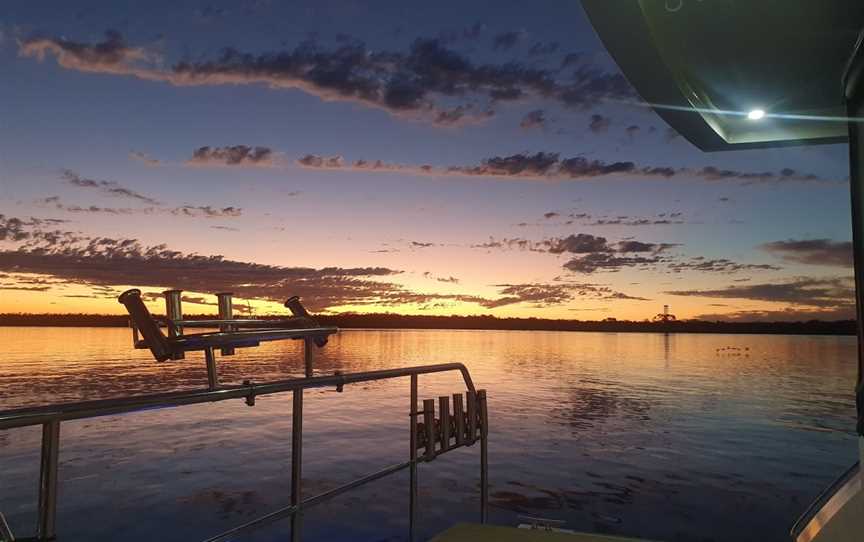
392,321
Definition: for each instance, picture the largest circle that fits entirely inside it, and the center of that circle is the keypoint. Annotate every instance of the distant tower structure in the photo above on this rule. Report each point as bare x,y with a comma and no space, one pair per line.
665,316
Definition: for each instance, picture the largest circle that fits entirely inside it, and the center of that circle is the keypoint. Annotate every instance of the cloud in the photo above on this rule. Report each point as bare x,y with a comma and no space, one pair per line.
237,306
448,279
104,263
599,124
541,48
604,261
206,211
588,219
549,166
535,119
194,211
812,251
632,131
582,243
144,158
469,33
26,288
321,162
13,229
462,115
670,135
111,188
54,201
592,253
112,55
542,295
234,156
639,246
717,265
785,315
572,59
712,173
506,40
412,83
539,164
812,292
637,221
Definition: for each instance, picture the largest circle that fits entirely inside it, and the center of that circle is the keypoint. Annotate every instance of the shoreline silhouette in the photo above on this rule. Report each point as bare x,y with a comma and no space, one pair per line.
481,322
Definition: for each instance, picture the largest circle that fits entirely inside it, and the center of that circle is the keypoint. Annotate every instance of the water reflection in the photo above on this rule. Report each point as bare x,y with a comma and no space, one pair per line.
606,431
591,402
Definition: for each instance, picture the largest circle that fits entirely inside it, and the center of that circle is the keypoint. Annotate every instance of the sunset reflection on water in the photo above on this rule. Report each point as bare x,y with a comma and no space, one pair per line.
723,436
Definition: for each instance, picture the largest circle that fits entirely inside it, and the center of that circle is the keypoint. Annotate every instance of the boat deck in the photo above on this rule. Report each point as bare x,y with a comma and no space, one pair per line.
472,532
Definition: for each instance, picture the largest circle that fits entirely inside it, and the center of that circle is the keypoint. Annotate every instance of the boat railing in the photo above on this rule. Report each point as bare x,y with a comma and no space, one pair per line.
429,436
821,509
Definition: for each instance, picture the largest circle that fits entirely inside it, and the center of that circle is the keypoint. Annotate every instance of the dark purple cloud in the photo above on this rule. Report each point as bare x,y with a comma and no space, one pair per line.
414,82
506,40
812,292
110,188
599,124
533,120
236,155
812,251
103,263
550,166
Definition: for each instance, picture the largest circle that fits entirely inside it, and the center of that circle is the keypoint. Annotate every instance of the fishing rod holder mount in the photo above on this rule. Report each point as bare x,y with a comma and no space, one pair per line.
232,332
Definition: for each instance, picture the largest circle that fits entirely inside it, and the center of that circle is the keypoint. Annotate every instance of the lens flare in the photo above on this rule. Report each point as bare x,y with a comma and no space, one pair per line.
756,114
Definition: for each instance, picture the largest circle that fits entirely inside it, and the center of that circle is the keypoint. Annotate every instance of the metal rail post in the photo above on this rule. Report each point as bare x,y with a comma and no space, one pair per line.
484,461
46,528
308,355
412,498
212,369
297,465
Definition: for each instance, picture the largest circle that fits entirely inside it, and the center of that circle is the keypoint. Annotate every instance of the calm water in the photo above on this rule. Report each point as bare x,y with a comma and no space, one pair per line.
667,437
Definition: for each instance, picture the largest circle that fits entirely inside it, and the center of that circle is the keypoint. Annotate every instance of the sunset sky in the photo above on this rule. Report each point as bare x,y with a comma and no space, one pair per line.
435,158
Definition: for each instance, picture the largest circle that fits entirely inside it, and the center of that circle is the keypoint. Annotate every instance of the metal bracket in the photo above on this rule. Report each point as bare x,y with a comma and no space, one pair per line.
250,399
451,430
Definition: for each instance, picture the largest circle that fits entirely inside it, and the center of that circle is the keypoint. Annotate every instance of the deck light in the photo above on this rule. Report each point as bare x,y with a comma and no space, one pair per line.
756,114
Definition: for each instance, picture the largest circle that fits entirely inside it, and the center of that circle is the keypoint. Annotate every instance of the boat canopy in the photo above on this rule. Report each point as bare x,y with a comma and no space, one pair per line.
733,74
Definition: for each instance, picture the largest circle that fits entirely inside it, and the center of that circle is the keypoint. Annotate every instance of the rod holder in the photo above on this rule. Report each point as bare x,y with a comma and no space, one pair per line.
145,324
297,309
459,418
226,312
446,424
429,428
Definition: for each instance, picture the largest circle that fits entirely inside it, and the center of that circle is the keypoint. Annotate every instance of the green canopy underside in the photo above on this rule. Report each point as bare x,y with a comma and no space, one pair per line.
698,63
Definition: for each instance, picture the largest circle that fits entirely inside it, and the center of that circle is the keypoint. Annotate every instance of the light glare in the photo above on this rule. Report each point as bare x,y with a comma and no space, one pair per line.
756,114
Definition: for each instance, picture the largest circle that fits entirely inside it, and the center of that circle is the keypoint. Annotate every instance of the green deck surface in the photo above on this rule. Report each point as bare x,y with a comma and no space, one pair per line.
465,532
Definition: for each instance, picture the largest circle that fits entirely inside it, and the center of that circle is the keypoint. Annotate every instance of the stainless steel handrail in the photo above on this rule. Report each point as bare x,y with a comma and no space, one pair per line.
105,407
819,502
51,416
